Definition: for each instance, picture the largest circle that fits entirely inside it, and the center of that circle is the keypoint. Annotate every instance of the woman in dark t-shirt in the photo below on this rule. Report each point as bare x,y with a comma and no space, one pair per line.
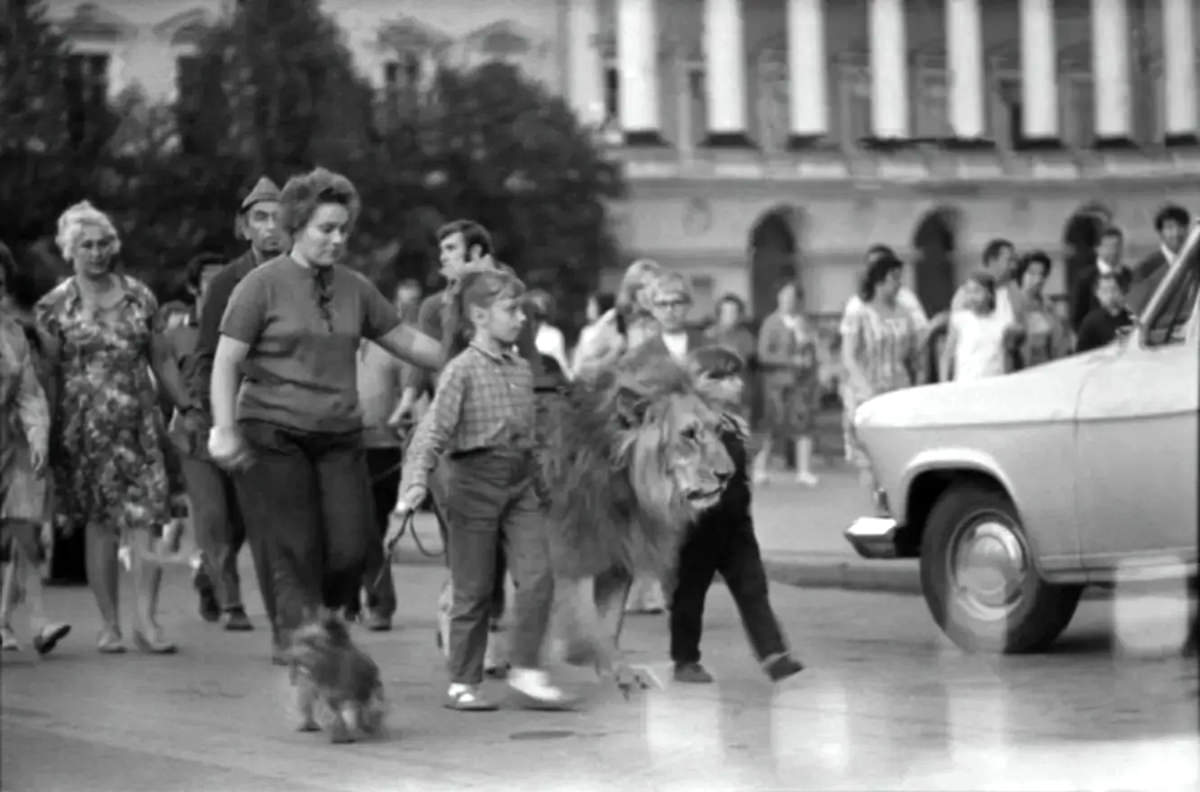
290,337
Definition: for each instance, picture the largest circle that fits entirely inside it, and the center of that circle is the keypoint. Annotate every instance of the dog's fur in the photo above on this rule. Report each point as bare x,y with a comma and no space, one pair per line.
327,669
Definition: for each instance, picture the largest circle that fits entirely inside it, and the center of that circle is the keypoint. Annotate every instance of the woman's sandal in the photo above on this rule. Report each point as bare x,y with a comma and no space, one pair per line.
110,642
8,640
469,701
155,646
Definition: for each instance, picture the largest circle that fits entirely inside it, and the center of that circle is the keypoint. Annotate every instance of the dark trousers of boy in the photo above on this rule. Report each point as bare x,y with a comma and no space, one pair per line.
383,466
438,494
721,542
490,500
219,528
310,497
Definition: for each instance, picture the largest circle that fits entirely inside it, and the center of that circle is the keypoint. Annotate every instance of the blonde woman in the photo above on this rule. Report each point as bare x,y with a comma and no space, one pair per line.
626,326
110,476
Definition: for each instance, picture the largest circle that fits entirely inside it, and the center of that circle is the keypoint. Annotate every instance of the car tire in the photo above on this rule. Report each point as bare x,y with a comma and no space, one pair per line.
979,580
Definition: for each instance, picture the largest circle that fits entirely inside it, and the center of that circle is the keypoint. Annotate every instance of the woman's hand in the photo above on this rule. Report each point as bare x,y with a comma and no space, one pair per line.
227,447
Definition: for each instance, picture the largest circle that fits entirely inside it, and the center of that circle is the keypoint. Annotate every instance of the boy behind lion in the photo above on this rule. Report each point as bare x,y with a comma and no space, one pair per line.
722,540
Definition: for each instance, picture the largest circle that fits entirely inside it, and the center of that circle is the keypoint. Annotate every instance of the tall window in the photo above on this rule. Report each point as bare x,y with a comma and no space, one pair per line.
86,82
612,92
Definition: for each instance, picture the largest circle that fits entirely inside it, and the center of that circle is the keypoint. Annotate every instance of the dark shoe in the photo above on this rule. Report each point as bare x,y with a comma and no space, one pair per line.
377,622
236,620
210,609
45,641
692,673
782,666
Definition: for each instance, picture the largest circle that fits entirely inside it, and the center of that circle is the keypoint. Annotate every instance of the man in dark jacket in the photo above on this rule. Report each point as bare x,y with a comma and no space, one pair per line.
258,223
1171,224
1083,289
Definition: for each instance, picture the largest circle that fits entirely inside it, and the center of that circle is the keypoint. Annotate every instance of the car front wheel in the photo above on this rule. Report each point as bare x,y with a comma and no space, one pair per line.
979,580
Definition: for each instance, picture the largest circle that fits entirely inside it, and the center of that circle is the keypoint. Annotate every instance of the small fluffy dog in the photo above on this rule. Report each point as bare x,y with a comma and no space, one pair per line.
327,669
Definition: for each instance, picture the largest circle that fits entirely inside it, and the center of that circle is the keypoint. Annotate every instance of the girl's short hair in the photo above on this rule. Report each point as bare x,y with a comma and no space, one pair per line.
877,272
1027,260
303,194
718,362
479,287
988,282
72,222
670,284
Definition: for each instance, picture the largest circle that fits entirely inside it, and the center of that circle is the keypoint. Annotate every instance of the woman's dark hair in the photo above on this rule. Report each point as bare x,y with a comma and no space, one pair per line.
200,262
1171,213
733,299
988,282
1027,260
8,266
879,250
877,272
473,234
303,194
992,249
604,301
1112,231
477,287
717,362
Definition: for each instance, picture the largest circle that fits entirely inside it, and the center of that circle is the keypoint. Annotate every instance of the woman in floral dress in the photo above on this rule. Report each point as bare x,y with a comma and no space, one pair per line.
107,453
1045,337
880,343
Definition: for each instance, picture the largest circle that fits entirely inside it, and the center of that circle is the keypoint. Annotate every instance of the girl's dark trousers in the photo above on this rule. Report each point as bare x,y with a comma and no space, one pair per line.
490,501
309,495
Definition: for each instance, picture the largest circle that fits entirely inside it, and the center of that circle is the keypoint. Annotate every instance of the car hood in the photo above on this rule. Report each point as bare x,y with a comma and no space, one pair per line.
1044,393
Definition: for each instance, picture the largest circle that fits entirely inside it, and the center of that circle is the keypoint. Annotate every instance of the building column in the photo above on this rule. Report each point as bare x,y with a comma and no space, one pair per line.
808,79
1110,72
889,70
1039,74
725,73
585,77
1179,69
637,67
964,49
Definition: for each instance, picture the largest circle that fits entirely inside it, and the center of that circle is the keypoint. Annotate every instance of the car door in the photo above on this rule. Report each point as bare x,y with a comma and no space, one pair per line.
1136,433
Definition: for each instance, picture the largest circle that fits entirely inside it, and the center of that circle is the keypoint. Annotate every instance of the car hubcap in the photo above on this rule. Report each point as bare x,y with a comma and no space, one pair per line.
989,567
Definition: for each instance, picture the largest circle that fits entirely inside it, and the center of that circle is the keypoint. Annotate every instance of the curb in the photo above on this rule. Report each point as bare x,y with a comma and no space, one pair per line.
900,576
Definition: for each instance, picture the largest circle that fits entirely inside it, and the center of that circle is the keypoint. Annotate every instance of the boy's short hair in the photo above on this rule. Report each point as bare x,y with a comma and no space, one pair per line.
200,262
473,234
718,362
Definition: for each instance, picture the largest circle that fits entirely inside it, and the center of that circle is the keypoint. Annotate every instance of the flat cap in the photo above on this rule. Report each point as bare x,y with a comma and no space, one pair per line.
264,190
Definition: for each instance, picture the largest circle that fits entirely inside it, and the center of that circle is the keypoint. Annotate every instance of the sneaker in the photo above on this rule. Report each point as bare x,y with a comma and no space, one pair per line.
534,691
807,479
781,666
467,698
236,620
49,636
210,608
692,673
8,640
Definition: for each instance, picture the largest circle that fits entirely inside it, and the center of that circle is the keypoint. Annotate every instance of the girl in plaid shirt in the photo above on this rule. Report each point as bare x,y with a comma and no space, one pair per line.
482,419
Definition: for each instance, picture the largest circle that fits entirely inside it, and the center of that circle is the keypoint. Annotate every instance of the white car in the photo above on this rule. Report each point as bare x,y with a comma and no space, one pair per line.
1017,491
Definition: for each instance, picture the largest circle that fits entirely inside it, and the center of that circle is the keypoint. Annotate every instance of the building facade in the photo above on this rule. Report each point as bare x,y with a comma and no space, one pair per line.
765,138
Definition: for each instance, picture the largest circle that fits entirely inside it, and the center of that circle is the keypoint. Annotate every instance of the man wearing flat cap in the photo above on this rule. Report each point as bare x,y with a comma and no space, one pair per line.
257,222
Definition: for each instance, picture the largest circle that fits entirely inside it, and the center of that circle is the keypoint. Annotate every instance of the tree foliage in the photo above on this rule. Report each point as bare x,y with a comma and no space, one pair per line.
273,90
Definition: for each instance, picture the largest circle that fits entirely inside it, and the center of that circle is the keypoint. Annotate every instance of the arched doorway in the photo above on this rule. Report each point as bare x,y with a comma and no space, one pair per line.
1081,234
773,258
934,271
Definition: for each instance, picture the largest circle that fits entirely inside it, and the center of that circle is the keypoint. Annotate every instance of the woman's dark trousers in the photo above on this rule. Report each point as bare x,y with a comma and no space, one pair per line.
311,499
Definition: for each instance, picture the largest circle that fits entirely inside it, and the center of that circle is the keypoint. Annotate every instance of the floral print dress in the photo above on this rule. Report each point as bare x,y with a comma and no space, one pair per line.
107,457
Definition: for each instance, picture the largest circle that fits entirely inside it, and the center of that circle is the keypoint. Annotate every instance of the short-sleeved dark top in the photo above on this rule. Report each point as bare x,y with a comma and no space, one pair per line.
300,371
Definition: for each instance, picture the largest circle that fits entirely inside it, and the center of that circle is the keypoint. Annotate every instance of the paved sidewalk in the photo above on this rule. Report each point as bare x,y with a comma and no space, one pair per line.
799,529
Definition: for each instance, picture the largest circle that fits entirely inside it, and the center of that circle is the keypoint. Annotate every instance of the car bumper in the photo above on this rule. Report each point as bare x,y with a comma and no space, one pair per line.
873,537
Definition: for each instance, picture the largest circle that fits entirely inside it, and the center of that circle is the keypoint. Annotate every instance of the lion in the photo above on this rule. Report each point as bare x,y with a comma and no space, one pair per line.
632,459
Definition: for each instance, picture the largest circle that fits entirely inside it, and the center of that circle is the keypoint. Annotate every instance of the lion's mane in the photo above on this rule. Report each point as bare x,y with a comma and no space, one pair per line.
613,503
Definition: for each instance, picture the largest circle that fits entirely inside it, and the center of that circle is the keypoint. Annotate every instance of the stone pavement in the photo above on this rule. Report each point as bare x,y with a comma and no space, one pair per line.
799,530
885,703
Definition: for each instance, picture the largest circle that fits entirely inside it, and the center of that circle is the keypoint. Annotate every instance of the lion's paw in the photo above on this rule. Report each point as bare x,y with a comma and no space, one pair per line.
635,677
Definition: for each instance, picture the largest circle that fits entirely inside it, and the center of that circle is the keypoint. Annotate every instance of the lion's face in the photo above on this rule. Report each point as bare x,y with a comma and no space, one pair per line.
679,462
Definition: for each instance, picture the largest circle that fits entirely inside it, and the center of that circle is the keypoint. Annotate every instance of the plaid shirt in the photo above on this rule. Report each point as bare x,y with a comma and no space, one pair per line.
483,401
